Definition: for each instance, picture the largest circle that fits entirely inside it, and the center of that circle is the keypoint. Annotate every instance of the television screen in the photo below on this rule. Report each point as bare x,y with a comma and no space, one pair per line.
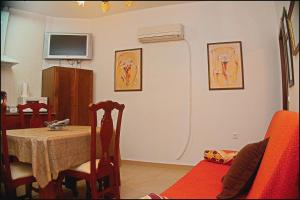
68,45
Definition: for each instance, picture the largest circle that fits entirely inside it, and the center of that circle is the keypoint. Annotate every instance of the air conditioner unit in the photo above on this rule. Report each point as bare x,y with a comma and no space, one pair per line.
163,33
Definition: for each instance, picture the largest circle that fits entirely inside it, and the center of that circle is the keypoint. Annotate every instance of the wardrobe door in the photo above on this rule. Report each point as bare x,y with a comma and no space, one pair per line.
84,85
48,89
65,93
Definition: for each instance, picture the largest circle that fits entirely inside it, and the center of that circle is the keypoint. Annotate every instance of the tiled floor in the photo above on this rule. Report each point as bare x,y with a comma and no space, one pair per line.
139,179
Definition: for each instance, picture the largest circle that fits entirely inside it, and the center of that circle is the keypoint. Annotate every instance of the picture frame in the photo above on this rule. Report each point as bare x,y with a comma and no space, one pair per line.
293,25
225,65
288,50
128,70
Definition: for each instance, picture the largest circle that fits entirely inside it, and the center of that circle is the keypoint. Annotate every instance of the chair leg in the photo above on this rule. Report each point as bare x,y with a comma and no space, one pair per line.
107,183
117,181
71,184
28,189
59,186
10,192
115,185
93,186
117,191
117,173
88,190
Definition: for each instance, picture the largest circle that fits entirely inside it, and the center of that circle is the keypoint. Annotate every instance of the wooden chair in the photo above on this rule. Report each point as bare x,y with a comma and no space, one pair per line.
36,120
96,170
13,174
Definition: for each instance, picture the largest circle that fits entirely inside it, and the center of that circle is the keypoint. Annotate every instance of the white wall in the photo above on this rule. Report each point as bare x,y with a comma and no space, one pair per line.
24,42
155,122
294,90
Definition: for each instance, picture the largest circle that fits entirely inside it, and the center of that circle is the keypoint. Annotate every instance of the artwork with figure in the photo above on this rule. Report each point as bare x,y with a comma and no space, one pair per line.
128,70
225,65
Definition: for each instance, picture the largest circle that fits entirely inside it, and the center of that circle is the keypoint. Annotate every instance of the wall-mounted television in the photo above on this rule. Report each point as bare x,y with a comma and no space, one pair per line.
67,46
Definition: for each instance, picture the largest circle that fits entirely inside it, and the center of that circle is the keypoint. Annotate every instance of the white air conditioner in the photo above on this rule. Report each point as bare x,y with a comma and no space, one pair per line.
163,33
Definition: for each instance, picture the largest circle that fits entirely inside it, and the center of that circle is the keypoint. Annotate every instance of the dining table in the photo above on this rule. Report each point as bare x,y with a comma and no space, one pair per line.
51,152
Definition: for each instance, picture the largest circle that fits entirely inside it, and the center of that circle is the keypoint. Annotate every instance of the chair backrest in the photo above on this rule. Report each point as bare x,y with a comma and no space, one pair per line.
5,165
106,132
36,120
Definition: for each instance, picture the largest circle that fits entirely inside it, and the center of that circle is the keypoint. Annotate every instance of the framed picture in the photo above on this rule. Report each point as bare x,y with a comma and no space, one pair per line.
293,25
288,51
128,70
225,65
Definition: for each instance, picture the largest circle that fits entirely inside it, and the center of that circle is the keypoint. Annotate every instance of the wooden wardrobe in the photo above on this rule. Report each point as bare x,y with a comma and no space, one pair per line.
69,92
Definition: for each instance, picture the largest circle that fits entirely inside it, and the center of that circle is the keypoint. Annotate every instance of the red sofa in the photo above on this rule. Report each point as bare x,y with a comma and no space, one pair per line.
277,176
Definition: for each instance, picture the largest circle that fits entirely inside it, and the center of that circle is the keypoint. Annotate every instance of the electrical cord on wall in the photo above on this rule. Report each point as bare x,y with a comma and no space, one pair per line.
190,103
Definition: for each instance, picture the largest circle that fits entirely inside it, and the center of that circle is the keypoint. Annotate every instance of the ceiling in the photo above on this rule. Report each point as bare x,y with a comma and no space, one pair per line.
91,9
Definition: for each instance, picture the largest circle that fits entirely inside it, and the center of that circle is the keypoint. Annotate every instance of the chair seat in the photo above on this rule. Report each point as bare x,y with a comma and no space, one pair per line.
85,167
20,170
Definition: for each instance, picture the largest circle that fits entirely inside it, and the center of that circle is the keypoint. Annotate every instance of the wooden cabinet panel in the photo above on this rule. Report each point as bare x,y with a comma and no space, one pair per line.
70,91
48,86
84,95
65,93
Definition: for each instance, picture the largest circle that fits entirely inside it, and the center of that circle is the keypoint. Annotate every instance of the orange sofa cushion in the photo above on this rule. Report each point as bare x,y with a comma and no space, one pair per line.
278,174
203,181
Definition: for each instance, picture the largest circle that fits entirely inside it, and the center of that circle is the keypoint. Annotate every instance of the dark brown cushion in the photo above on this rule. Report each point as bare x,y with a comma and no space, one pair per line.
242,172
